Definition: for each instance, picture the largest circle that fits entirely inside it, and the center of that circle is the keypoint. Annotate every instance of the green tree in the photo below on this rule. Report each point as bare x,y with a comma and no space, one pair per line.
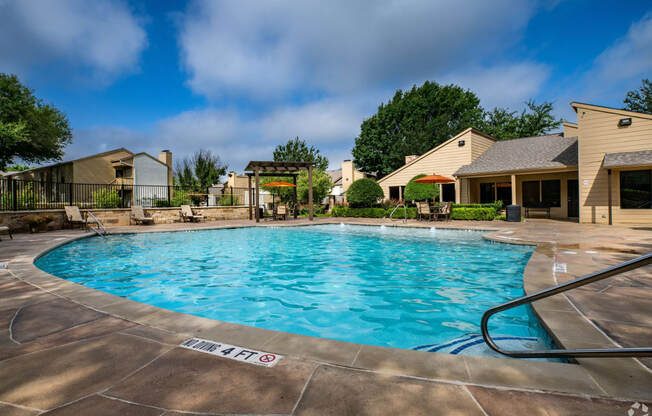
415,191
414,122
29,129
16,167
321,186
199,171
640,100
534,120
297,150
364,193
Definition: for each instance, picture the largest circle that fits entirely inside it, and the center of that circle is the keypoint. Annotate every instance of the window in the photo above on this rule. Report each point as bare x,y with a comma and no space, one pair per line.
505,193
394,192
487,193
530,193
636,189
118,173
448,192
551,193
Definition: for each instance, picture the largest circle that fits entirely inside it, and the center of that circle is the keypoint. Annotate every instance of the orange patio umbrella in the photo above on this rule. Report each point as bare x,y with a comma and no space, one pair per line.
279,184
434,179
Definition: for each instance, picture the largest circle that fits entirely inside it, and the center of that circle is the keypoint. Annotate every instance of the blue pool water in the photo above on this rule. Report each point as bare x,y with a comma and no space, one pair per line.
396,287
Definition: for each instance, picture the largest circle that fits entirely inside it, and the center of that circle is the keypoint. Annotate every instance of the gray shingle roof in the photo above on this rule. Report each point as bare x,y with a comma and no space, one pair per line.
640,158
539,152
336,175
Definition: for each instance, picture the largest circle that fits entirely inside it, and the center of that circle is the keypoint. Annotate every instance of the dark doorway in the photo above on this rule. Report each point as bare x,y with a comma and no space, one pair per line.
573,198
448,192
505,193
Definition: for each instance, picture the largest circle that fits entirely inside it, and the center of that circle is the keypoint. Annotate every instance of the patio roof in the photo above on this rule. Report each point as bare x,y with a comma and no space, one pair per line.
271,166
528,153
627,159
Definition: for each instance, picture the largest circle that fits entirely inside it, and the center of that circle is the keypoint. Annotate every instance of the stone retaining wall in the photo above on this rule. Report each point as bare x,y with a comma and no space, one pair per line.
121,216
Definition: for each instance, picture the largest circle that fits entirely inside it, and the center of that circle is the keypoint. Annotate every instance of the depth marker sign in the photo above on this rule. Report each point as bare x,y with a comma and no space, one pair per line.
232,351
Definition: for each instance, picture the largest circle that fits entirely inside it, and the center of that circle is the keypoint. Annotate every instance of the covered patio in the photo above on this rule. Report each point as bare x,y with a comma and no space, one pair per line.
258,169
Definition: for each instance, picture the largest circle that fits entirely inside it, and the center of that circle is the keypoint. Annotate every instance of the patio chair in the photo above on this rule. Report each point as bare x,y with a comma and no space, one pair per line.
187,214
424,211
5,229
444,210
139,216
74,216
281,212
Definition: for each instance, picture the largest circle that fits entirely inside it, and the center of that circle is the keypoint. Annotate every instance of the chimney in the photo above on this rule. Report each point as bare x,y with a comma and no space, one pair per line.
410,158
165,156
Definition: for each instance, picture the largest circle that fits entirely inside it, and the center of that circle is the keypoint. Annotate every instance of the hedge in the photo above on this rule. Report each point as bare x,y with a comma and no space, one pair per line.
340,211
484,214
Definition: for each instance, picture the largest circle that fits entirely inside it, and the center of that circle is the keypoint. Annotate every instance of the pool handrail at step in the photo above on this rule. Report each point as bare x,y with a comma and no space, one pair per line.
100,230
579,282
404,212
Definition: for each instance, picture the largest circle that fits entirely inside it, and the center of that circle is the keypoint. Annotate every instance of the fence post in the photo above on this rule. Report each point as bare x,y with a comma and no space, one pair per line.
231,196
122,194
169,195
14,194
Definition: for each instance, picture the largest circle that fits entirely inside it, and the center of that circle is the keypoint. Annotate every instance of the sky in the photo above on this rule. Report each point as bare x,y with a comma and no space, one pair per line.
240,77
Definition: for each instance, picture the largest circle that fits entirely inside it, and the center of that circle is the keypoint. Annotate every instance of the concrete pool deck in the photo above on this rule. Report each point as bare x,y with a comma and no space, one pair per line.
67,349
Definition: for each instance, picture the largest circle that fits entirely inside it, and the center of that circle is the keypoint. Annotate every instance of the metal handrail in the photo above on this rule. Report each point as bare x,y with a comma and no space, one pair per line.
569,353
404,212
99,225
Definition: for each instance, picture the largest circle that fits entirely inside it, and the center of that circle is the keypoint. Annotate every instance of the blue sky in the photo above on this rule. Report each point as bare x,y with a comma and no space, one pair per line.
239,77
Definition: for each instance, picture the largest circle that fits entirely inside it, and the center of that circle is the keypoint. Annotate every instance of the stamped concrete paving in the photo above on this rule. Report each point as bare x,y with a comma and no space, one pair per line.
60,357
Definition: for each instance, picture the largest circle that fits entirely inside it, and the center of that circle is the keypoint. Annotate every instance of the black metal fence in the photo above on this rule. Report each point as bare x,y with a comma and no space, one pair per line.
18,195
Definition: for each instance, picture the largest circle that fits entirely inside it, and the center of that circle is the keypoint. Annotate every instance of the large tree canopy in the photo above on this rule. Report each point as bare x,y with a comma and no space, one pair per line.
29,129
535,120
414,122
199,171
640,100
297,150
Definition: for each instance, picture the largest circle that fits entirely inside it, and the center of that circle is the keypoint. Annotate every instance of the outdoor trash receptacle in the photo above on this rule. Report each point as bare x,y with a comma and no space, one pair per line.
513,213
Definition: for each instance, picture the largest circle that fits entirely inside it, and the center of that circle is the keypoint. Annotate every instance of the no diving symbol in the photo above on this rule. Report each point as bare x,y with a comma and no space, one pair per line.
267,358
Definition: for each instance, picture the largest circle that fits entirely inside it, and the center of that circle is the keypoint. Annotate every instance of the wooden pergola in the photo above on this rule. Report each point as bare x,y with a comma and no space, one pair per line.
271,168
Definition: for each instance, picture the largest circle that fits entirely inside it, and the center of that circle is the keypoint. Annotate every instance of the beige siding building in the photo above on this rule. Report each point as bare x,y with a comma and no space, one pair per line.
443,160
615,148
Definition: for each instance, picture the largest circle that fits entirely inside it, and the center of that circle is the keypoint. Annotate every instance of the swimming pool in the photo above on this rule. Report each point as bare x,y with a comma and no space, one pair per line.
408,288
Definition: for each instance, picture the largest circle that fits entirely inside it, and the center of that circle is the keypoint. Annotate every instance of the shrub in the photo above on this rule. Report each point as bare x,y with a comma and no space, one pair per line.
501,217
415,191
161,203
483,214
34,222
364,193
179,198
227,200
107,198
340,211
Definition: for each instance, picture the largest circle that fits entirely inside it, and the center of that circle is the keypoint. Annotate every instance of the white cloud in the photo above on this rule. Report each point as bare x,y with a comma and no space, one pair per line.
630,56
330,125
101,36
267,50
506,86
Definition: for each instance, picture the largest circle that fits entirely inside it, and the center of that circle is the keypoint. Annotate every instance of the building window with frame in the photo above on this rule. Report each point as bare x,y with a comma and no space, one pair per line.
530,190
636,189
487,193
551,193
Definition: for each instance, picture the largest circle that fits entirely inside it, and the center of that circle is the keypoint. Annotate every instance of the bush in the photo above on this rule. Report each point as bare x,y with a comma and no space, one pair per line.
161,203
228,200
364,193
179,198
107,198
479,214
341,211
415,191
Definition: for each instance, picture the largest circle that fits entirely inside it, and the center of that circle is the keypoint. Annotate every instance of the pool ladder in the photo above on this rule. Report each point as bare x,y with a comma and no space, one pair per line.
404,212
99,230
579,282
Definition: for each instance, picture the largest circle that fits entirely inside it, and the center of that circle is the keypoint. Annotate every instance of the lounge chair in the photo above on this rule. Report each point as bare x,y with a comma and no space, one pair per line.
444,210
139,216
424,211
187,214
5,229
281,212
74,216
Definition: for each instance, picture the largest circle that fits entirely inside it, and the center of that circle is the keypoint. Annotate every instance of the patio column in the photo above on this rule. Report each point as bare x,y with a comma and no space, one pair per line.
257,196
458,191
249,197
514,190
609,192
310,192
400,193
296,206
441,194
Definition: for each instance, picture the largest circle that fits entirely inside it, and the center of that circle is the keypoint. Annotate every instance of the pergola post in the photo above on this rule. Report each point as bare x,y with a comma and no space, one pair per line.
310,192
296,206
257,196
250,201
